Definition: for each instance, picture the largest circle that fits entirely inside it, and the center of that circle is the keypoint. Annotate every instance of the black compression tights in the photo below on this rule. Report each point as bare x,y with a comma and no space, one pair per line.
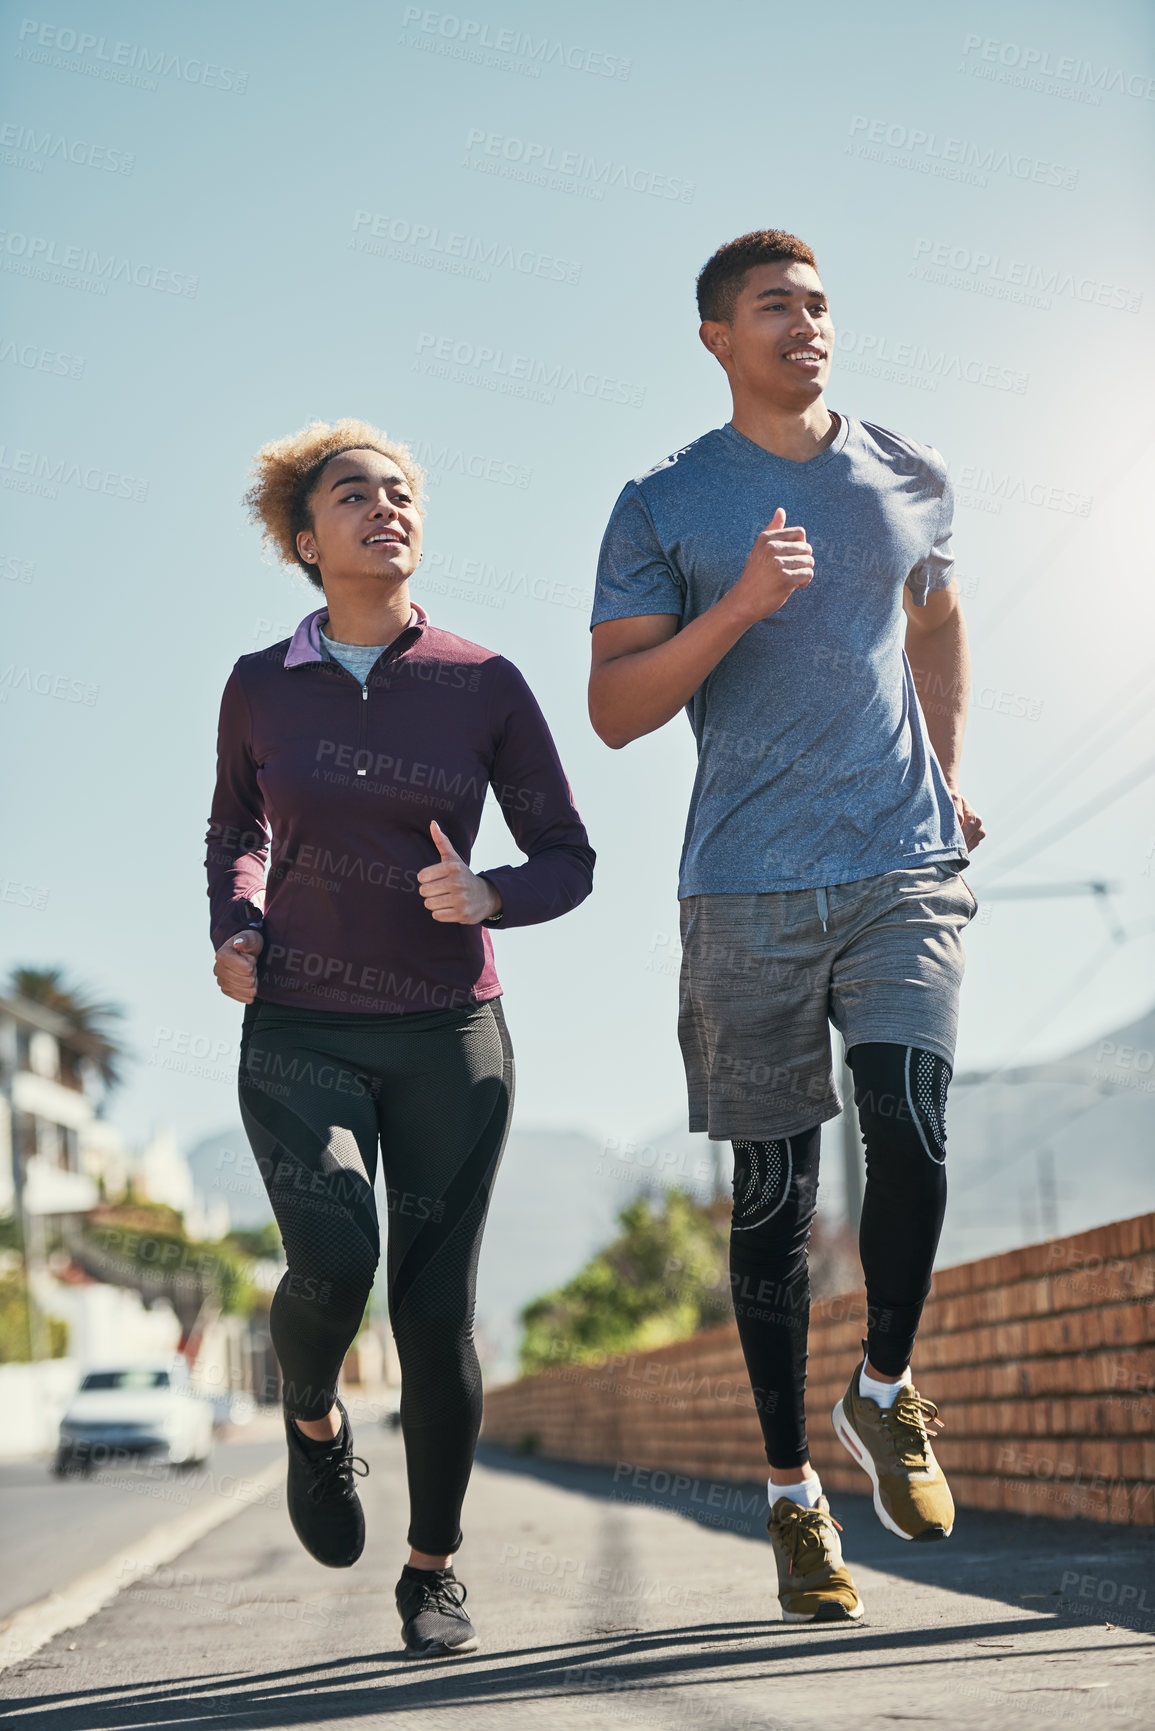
319,1091
900,1092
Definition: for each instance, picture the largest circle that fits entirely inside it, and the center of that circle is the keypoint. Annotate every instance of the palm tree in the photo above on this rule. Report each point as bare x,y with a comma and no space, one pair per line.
91,1022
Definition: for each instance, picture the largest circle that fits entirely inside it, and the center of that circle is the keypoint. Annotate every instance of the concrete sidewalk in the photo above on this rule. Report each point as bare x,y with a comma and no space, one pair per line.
613,1602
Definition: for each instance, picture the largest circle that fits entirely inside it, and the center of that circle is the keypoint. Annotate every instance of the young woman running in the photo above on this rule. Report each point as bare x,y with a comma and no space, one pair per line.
353,764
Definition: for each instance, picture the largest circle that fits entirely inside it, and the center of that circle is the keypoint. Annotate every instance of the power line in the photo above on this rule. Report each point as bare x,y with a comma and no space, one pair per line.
1047,892
1002,1160
1067,766
1083,978
1065,826
971,1179
1042,564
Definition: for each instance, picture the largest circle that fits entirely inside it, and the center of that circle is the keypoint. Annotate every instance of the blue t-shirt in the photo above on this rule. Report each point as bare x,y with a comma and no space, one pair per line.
814,766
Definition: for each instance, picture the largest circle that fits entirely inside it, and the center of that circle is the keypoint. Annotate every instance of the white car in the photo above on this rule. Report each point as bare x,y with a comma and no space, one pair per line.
144,1409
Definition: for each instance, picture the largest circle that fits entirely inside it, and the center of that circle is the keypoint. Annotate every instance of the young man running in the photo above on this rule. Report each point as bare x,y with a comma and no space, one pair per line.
768,578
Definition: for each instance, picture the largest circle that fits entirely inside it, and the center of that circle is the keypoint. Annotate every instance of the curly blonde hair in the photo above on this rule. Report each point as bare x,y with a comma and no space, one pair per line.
286,472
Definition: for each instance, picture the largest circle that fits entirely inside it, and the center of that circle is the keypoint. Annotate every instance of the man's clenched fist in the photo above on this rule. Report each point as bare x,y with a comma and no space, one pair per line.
781,561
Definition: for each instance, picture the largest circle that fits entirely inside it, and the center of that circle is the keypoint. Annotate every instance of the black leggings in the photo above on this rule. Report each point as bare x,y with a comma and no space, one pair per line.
900,1092
319,1090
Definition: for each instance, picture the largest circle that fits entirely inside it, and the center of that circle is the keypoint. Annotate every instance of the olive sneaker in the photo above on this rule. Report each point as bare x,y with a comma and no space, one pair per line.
433,1621
322,1494
891,1445
814,1584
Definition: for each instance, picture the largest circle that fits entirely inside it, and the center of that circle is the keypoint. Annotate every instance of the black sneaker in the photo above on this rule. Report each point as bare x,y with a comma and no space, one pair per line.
323,1503
433,1622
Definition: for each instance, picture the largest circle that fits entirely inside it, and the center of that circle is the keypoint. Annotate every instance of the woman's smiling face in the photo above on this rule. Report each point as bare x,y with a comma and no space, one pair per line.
365,522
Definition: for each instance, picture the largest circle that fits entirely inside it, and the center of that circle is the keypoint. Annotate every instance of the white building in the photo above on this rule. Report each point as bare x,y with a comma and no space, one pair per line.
59,1160
56,1153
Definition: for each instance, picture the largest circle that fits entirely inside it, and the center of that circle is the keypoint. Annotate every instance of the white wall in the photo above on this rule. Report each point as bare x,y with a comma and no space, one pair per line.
106,1323
32,1399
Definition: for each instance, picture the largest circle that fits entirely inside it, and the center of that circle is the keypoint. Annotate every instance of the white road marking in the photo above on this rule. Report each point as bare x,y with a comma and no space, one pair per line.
27,1630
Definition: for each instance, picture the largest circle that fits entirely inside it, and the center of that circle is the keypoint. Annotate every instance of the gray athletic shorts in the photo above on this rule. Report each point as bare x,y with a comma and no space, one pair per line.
761,981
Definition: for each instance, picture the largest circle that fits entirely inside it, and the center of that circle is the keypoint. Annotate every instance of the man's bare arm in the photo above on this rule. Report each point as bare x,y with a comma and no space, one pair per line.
645,669
939,656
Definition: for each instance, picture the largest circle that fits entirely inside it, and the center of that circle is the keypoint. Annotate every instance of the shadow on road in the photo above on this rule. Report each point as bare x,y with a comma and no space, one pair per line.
1025,1561
680,1658
686,1668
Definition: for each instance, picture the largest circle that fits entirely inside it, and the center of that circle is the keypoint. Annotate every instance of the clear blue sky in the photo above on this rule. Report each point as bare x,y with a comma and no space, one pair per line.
942,191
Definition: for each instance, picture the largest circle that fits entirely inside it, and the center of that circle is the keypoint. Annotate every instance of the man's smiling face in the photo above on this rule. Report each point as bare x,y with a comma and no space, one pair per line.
779,340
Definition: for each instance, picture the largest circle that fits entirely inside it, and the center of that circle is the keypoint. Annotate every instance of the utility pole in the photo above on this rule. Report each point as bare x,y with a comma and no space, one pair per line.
32,1257
718,1181
1048,1194
852,1168
1101,889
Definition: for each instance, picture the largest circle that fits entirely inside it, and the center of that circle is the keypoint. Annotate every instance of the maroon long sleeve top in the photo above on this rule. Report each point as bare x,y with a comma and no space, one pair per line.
320,819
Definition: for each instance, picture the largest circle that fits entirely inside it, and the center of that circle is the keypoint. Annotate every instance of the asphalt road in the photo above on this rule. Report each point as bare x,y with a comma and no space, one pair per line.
53,1529
598,1610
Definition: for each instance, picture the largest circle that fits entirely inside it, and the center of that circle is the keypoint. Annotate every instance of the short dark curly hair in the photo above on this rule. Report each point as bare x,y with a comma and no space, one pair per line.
722,278
286,472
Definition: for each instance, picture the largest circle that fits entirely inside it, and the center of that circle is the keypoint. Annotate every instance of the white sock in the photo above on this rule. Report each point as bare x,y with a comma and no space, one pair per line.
885,1393
806,1494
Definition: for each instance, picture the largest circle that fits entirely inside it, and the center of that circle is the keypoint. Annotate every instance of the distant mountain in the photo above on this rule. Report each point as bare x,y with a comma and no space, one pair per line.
1037,1158
223,1165
1047,1149
1122,1061
1035,1152
555,1203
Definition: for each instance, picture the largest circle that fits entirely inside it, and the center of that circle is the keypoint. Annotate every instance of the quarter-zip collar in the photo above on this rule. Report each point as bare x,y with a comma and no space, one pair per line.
306,640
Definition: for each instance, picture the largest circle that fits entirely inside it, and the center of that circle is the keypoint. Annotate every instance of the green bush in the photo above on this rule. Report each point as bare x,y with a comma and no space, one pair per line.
117,1244
263,1243
14,1324
661,1280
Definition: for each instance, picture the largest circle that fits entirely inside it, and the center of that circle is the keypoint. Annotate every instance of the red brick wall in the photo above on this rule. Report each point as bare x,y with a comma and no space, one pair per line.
1042,1362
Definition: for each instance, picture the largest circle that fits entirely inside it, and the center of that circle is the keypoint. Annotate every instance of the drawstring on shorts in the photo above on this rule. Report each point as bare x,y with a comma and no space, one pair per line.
823,907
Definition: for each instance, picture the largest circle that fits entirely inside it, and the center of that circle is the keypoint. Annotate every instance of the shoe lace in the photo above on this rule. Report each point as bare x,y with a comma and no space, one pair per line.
905,1424
806,1536
335,1472
442,1593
